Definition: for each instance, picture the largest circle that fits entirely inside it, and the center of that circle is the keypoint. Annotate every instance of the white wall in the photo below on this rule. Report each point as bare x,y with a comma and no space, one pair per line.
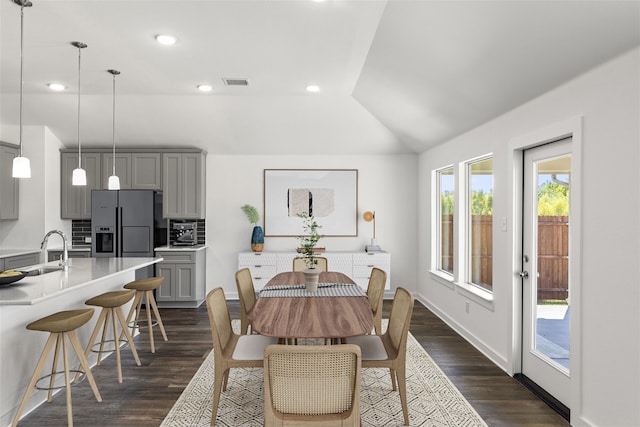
608,100
40,194
386,184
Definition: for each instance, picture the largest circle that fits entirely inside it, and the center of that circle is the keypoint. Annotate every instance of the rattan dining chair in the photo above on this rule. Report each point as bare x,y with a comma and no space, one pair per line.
247,296
375,293
299,264
390,349
230,350
312,385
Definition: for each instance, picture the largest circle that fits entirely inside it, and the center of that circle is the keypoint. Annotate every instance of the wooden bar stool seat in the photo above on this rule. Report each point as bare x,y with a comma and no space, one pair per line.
59,325
111,303
144,292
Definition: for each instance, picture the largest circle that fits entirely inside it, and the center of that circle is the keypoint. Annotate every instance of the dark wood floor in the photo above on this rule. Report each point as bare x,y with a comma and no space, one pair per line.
148,392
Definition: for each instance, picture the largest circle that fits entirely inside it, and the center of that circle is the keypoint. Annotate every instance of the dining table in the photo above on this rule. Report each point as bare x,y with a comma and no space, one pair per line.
339,309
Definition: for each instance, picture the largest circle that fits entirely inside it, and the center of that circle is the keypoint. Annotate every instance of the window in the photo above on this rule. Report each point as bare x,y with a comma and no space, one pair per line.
479,235
444,220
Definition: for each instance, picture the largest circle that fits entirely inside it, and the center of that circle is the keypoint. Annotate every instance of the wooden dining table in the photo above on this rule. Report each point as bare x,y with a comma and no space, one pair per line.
312,316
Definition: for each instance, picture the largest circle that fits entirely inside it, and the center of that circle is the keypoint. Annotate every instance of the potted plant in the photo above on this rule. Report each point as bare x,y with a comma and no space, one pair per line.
307,246
257,236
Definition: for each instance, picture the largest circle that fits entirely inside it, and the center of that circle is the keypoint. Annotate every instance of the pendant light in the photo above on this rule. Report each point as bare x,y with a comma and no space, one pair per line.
21,165
114,181
79,175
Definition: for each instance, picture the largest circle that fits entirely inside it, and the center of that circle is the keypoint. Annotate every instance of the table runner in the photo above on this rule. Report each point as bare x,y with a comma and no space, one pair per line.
324,290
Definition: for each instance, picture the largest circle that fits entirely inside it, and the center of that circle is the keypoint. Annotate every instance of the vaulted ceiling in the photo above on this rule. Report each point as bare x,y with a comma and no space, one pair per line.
395,76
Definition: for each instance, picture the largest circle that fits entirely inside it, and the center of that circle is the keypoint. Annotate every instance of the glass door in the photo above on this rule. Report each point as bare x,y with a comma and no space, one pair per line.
545,274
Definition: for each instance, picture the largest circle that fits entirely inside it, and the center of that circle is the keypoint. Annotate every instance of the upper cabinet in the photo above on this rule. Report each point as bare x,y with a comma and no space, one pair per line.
75,200
9,185
178,173
183,185
138,171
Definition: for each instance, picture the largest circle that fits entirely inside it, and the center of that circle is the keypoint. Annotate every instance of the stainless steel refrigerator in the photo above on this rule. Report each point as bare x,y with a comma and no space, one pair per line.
127,223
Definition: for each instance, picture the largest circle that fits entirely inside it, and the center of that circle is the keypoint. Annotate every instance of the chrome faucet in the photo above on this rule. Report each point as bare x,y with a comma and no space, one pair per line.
64,263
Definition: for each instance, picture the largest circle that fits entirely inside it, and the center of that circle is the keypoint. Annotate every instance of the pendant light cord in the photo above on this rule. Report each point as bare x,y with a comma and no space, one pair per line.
79,147
113,129
21,68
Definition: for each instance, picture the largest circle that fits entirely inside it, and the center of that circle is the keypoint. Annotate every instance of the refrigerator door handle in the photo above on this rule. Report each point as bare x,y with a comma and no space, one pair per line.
118,232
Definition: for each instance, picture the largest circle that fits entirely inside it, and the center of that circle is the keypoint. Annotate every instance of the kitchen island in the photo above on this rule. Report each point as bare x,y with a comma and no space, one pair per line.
34,297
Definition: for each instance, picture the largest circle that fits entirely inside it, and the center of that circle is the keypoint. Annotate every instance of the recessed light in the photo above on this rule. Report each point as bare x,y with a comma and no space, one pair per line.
205,88
166,39
313,88
56,86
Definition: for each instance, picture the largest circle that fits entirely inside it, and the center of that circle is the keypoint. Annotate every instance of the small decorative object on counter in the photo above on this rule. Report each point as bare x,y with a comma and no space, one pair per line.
307,246
257,236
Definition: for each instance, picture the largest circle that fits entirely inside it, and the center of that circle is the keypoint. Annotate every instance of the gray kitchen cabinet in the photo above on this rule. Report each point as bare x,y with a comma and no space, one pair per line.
123,169
23,260
138,171
75,200
9,186
56,254
183,185
184,278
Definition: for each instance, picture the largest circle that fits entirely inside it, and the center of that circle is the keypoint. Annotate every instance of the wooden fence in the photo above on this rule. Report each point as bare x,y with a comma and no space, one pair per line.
553,253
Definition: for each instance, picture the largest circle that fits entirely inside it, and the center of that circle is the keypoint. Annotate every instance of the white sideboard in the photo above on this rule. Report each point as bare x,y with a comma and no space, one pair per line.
357,265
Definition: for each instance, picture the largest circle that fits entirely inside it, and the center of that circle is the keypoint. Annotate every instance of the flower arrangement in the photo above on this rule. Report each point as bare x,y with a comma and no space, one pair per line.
309,241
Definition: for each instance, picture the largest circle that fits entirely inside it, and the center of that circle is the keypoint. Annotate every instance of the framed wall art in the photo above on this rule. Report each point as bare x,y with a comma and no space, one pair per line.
330,195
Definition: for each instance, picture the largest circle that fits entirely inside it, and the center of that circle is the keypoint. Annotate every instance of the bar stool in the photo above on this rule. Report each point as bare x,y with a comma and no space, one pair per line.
144,291
111,303
59,325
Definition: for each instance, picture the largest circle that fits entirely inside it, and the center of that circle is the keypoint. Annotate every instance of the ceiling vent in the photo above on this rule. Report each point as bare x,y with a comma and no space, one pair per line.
235,82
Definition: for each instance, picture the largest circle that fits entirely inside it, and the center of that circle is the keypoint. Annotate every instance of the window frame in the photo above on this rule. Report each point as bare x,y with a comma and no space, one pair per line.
437,264
467,241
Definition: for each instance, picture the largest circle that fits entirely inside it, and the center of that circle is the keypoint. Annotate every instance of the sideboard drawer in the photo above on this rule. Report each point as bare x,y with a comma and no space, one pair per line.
257,258
262,271
365,271
372,258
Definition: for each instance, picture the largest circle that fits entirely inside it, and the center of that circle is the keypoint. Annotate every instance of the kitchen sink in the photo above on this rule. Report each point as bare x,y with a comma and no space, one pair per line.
43,270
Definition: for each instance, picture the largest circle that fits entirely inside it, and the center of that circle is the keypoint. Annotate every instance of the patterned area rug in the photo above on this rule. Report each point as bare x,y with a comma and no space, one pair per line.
432,399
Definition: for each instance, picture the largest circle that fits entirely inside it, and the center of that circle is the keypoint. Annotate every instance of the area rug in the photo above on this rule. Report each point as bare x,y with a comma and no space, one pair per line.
432,399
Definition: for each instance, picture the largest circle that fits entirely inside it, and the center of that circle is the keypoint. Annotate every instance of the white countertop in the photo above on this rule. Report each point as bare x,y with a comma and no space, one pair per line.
82,272
181,248
72,248
6,253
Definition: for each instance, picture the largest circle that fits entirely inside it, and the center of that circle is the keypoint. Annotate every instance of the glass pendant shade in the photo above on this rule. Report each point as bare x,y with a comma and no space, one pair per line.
114,182
79,177
21,167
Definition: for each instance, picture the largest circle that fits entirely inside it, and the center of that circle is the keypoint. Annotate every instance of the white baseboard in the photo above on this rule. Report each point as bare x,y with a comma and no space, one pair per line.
483,348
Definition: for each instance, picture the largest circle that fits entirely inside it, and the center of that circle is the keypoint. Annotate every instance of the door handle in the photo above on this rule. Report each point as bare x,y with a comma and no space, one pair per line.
524,274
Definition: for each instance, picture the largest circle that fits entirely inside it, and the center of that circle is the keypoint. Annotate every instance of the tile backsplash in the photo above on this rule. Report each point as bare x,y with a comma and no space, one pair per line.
80,229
